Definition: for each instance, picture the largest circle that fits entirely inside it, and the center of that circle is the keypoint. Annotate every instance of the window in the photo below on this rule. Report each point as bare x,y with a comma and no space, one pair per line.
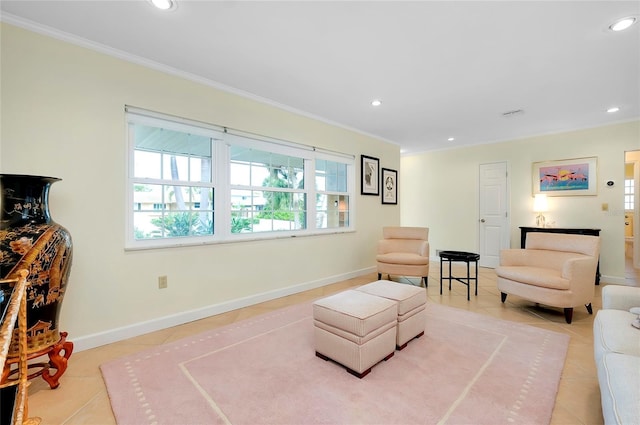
332,199
193,183
171,185
267,191
629,194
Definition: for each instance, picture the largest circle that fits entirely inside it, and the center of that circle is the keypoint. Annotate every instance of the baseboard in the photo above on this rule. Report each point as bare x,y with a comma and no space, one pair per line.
141,328
613,279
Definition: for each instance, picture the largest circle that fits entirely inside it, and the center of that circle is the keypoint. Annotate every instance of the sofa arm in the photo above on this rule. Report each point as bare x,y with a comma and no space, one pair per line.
620,297
513,257
580,269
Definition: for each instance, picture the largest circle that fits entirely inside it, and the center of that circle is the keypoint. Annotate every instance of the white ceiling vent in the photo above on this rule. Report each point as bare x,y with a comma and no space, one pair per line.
513,113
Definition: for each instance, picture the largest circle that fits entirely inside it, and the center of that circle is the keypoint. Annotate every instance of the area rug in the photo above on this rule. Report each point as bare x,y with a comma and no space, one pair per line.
466,369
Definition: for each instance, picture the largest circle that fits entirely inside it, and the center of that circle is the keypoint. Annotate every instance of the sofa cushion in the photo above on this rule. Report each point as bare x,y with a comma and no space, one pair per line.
537,276
546,259
582,244
618,376
612,332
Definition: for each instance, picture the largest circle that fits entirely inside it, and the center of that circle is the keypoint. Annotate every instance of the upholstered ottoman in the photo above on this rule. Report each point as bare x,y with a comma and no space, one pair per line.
411,301
355,329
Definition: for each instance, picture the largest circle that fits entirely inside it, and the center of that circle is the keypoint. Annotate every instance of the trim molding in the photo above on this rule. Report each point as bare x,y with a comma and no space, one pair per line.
136,329
120,54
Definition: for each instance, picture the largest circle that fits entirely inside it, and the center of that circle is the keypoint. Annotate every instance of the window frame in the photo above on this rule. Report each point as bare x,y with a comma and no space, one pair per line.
222,141
629,194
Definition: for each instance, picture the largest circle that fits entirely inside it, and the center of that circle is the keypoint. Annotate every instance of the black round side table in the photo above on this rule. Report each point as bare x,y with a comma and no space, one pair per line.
463,256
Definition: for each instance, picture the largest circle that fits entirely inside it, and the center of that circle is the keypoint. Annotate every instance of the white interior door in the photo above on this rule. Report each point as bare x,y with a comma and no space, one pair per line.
494,214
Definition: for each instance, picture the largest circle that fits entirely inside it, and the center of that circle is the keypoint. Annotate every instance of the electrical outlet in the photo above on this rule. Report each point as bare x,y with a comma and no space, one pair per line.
605,207
162,282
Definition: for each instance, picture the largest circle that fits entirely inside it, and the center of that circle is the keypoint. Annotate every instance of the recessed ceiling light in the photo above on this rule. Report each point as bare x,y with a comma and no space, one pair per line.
164,4
376,102
451,139
622,24
613,109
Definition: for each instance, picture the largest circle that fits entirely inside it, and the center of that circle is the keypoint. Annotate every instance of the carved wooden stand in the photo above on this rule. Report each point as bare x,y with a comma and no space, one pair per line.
58,353
17,313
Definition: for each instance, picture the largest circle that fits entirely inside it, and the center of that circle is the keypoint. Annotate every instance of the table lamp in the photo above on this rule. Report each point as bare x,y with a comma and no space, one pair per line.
540,206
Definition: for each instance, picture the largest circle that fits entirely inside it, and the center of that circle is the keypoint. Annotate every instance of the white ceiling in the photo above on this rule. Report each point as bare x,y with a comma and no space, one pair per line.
441,68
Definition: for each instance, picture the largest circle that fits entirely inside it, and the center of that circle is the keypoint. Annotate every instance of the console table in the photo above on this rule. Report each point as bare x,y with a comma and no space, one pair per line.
570,230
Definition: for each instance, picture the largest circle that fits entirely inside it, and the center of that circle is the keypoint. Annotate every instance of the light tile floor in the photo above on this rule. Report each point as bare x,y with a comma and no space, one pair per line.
81,397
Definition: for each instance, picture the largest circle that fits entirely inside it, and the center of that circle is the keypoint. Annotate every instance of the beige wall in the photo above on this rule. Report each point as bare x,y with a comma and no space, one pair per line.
440,189
63,115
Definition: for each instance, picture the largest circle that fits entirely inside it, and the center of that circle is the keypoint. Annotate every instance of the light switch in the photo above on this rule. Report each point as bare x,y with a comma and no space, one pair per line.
605,207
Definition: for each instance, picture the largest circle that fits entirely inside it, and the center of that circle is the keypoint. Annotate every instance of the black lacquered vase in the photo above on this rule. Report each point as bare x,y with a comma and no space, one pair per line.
31,240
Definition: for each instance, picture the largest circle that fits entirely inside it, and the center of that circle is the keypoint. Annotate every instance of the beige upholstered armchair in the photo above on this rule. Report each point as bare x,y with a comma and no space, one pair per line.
554,269
404,251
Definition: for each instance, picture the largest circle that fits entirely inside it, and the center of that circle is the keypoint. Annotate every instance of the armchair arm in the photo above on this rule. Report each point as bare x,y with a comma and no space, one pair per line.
620,297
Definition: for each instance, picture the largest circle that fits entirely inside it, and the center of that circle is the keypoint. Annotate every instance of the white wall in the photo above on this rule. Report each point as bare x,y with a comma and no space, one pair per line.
440,189
63,116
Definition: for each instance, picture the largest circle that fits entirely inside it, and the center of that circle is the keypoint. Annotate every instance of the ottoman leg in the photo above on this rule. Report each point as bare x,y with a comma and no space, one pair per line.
400,347
359,375
322,356
366,372
351,371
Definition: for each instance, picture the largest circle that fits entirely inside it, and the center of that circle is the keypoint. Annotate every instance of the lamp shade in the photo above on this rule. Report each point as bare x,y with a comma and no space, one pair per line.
540,203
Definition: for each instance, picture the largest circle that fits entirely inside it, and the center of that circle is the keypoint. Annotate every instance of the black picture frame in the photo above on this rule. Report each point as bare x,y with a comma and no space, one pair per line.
370,172
389,183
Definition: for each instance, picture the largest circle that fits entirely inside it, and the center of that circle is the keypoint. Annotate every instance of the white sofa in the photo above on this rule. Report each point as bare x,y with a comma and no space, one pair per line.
617,355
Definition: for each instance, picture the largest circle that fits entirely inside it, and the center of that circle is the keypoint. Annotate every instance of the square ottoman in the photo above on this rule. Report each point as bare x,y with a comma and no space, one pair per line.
355,329
411,301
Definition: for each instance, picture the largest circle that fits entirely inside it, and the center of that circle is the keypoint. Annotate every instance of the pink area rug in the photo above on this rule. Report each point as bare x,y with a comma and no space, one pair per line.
466,369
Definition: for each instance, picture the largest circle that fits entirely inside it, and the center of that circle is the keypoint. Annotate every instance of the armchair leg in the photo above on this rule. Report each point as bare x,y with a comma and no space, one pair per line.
503,296
589,308
568,315
426,281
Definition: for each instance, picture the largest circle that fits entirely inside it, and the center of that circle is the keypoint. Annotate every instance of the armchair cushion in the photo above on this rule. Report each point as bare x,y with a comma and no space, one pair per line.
402,258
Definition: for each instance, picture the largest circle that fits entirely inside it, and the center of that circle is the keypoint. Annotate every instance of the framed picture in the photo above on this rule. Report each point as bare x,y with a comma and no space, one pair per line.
370,169
389,186
566,177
